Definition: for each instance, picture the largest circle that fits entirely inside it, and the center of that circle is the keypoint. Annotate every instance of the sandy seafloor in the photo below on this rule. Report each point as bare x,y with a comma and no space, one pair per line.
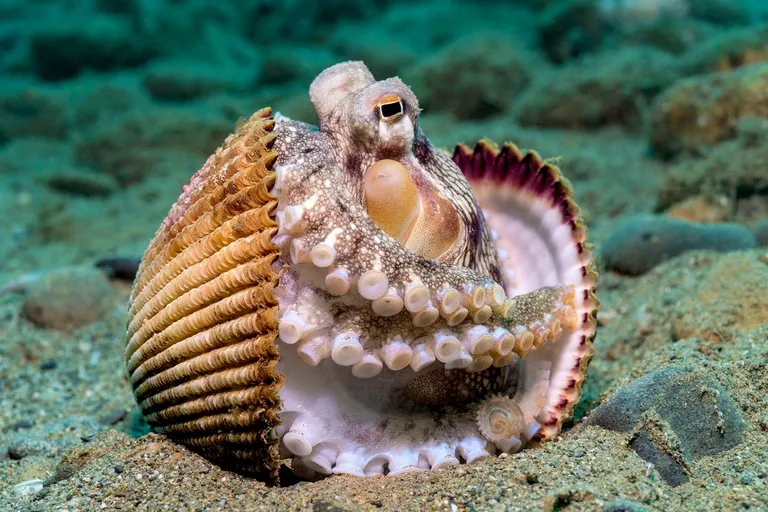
95,145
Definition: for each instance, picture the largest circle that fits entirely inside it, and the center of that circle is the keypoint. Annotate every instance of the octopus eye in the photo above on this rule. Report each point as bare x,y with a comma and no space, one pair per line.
390,107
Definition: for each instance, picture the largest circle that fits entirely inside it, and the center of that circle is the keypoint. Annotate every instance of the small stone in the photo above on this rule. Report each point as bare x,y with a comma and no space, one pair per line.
68,298
119,267
624,506
86,184
50,364
203,469
22,424
118,469
645,241
22,446
679,414
33,112
28,487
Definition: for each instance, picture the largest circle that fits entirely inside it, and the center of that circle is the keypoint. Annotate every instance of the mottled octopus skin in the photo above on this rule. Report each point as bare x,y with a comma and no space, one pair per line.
272,316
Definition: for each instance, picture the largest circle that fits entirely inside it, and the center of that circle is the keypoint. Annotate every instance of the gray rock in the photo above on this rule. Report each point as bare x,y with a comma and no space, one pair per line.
28,488
666,463
33,111
52,439
645,241
81,183
624,506
68,298
22,446
678,414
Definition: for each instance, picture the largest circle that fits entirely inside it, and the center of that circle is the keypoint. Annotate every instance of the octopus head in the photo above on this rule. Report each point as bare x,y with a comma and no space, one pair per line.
379,118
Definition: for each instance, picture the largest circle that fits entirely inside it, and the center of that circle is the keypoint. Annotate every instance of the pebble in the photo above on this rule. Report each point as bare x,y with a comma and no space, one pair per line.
28,487
677,413
119,267
85,184
51,439
22,446
645,241
48,365
68,298
624,506
22,424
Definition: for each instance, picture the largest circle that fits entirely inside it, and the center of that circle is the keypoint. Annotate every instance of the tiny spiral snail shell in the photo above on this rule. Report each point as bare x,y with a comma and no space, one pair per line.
499,418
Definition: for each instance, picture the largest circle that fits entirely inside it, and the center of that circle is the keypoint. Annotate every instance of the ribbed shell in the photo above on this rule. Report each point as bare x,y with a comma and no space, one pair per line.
202,326
510,167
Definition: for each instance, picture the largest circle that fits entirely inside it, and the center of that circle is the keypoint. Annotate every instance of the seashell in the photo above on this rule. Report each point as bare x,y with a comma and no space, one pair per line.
500,418
351,298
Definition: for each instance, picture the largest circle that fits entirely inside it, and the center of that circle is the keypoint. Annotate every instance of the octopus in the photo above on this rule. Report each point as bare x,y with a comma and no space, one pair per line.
348,299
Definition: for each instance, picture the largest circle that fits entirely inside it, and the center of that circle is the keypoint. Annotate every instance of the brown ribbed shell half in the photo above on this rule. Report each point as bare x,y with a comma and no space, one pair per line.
202,326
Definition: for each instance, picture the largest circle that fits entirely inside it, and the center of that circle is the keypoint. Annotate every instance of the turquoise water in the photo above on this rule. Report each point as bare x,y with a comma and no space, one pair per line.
109,106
